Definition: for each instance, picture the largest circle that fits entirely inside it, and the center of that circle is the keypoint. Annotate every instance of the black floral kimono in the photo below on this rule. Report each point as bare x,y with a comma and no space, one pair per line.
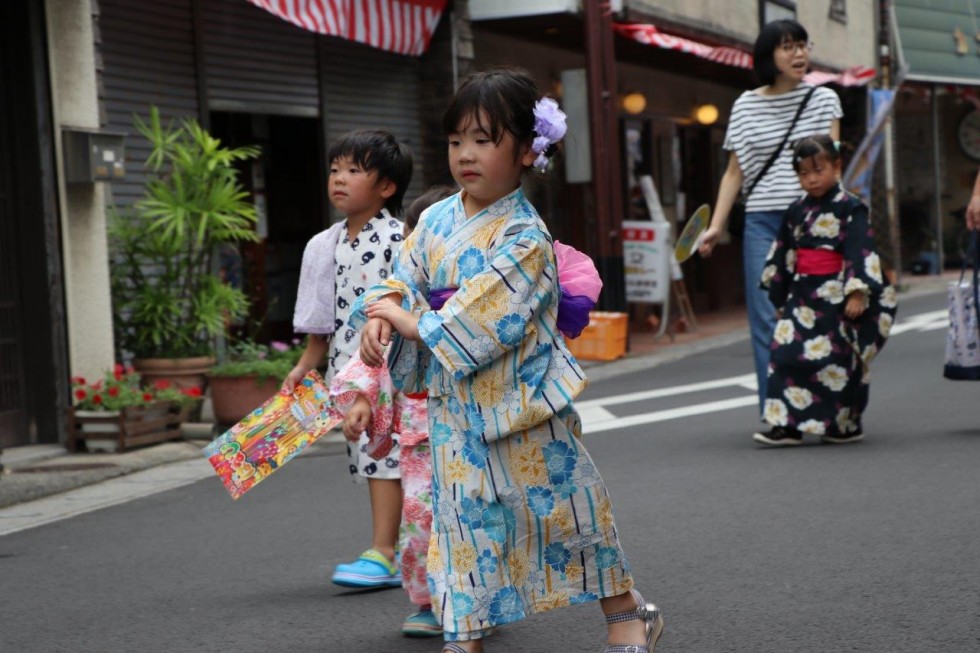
818,366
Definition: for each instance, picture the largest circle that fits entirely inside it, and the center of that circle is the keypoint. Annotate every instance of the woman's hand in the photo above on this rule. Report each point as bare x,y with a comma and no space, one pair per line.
708,241
855,305
731,183
357,419
401,320
973,213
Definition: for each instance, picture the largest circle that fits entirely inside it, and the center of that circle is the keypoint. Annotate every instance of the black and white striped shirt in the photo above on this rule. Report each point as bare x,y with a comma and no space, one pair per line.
757,126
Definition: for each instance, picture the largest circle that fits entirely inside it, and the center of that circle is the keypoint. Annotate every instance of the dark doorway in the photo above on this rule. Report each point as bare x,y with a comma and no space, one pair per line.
33,368
288,186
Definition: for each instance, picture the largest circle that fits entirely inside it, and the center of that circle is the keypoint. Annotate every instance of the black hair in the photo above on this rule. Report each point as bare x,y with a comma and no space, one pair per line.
772,36
506,95
812,146
377,150
424,201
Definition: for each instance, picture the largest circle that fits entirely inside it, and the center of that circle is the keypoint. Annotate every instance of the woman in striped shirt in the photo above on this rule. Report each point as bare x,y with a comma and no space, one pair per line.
759,120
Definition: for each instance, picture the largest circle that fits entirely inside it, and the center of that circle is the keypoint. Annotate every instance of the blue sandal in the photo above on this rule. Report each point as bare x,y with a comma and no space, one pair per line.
372,569
649,614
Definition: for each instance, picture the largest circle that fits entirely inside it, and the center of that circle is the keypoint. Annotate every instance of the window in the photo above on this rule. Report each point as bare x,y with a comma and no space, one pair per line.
838,10
770,10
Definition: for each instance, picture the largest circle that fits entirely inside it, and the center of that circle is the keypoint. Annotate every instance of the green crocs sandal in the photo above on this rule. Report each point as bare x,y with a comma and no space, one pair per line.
372,569
422,624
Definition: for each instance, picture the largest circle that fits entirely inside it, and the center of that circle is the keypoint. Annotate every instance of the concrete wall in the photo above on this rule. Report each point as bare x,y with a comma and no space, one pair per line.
837,44
74,98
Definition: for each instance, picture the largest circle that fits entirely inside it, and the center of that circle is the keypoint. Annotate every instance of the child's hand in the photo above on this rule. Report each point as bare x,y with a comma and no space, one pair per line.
357,418
374,338
295,376
403,322
855,305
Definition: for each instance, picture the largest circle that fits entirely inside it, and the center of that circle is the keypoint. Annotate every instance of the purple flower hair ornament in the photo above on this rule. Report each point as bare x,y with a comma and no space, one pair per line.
549,127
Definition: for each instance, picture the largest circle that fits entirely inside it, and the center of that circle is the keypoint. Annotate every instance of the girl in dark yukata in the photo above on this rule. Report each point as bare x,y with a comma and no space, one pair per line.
834,307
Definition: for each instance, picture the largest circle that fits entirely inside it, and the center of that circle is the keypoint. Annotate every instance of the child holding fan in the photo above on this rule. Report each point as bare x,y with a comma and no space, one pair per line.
834,307
522,521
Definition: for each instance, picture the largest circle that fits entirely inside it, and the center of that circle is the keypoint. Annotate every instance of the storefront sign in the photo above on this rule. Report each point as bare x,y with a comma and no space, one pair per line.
646,250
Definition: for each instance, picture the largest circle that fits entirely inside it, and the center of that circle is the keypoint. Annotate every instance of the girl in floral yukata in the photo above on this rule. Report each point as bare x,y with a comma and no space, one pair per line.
834,307
522,521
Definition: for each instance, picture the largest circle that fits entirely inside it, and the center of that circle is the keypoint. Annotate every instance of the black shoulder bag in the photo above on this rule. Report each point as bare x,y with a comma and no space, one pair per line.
736,217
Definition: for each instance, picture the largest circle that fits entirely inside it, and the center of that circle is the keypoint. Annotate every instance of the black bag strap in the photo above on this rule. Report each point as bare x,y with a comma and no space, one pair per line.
775,154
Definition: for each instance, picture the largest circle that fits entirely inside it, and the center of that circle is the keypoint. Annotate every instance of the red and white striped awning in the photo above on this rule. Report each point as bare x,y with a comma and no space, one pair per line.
401,26
853,76
650,35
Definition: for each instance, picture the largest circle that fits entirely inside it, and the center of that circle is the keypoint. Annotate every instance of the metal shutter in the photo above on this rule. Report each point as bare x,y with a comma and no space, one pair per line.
365,88
147,57
256,62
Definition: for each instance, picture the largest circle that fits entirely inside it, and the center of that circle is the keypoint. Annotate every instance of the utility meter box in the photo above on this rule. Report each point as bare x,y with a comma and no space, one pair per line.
91,156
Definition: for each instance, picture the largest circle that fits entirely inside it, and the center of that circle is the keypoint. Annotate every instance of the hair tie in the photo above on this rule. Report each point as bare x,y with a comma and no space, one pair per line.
549,125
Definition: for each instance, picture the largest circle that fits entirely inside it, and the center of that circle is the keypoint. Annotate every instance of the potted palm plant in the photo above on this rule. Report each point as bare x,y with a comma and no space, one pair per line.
168,303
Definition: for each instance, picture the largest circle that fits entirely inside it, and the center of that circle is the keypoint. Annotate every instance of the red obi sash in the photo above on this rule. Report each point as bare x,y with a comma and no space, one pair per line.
417,395
818,261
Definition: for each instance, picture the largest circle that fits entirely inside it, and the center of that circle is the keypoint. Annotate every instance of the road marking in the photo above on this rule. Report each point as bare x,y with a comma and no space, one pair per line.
121,489
596,418
930,321
671,413
744,380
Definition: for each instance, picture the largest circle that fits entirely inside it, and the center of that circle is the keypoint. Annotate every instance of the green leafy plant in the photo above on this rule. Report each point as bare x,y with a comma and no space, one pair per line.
167,301
247,357
121,388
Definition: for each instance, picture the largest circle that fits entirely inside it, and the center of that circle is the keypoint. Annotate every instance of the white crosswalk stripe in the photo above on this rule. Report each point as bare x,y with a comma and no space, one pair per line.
596,418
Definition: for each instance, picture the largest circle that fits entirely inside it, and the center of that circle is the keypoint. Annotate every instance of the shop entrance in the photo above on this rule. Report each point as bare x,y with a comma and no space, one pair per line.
288,186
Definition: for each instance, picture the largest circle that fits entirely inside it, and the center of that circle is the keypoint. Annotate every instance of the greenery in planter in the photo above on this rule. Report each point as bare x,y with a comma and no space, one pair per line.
121,388
247,357
167,301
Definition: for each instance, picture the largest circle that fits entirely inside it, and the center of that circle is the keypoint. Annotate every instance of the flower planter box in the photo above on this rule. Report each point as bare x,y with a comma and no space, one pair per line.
234,397
132,426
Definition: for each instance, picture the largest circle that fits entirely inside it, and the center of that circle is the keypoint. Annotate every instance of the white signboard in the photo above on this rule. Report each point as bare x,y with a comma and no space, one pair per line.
646,258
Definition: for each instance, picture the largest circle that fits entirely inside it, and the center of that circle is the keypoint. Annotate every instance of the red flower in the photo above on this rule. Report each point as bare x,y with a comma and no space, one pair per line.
97,399
192,392
117,371
80,394
78,380
114,391
161,384
147,396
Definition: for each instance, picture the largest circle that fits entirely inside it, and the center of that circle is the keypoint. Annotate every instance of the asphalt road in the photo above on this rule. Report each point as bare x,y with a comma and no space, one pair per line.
867,547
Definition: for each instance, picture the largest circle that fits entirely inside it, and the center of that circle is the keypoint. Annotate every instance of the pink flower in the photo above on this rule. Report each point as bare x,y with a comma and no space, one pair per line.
279,346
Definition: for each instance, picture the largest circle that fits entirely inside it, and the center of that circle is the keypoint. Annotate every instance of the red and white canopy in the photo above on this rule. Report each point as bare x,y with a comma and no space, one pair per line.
853,76
650,35
400,26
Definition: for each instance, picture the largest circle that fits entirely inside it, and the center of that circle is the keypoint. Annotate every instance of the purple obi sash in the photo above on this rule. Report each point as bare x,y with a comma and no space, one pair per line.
573,310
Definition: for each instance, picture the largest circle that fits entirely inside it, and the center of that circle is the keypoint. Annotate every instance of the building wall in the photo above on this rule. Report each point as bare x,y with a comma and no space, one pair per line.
837,44
85,249
915,183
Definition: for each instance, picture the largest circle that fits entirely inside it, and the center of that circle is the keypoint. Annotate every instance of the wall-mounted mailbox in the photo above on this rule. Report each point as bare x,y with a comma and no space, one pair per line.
92,156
